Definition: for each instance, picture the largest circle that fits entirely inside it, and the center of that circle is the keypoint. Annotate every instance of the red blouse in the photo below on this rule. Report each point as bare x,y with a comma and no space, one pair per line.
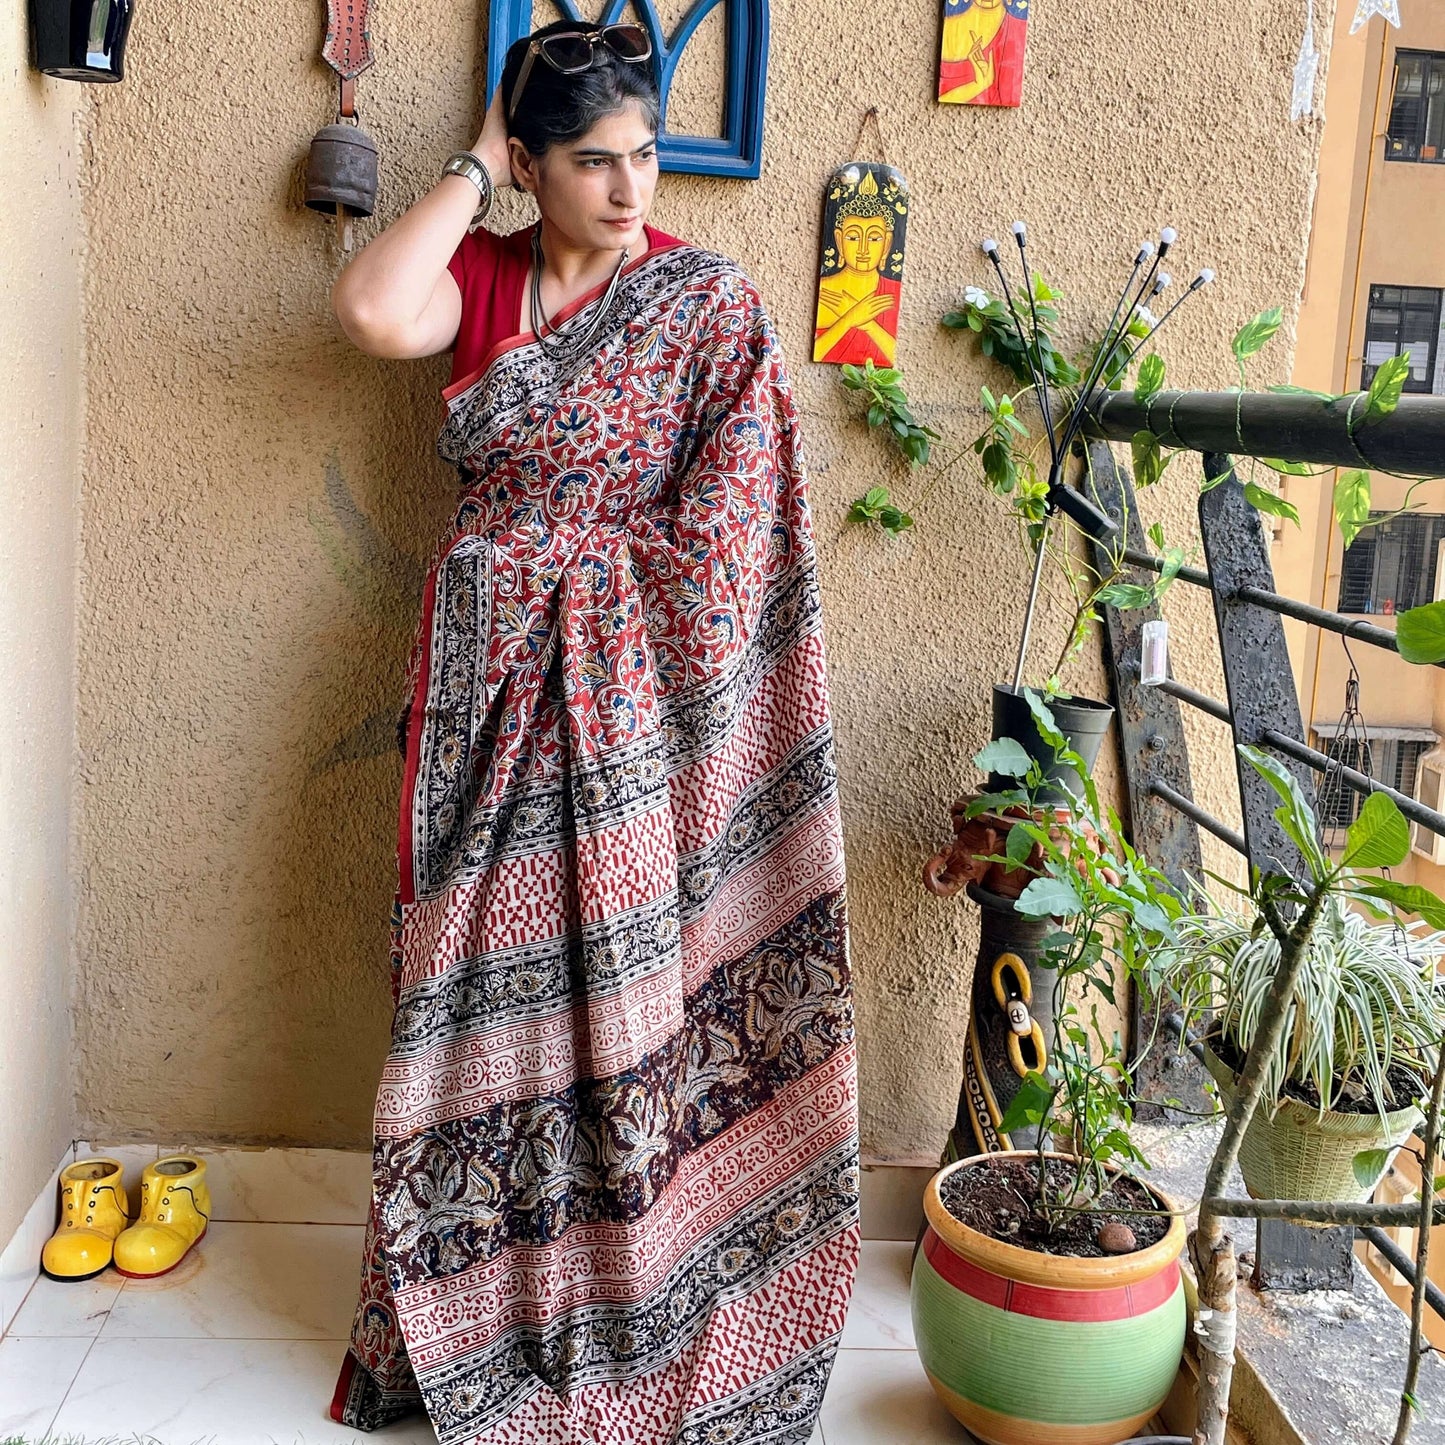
491,271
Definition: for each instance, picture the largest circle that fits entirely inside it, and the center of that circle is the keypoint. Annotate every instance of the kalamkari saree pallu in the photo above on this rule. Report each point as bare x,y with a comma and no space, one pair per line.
615,1168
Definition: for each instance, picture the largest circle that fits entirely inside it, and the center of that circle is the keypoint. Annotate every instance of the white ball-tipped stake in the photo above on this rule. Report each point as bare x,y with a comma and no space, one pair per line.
1163,280
1167,237
1204,277
1145,251
1021,231
990,247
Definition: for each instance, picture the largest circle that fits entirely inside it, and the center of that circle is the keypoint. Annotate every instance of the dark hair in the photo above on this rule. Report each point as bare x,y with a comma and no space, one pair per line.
556,109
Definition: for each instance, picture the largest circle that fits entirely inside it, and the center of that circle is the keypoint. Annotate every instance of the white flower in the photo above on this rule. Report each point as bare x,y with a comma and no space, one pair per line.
976,296
1146,316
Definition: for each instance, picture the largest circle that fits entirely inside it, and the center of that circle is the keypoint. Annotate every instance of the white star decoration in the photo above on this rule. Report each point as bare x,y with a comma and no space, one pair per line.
1305,69
1365,9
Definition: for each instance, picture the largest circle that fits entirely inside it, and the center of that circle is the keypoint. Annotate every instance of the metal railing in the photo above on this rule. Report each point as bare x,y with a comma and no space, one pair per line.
1262,707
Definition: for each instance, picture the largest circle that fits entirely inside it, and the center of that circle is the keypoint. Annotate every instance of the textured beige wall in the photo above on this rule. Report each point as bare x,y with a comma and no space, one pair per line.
260,496
40,420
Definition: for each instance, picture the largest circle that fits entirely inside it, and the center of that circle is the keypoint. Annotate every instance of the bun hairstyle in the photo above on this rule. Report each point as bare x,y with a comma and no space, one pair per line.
556,109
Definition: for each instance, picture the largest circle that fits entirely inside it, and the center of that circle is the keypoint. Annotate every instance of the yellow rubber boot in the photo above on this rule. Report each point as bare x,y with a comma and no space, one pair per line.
93,1211
175,1209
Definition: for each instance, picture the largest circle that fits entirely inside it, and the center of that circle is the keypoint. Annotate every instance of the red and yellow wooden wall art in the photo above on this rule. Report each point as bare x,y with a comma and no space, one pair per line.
860,280
982,58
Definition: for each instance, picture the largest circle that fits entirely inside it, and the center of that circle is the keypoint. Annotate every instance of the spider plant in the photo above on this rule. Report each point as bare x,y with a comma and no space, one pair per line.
1368,999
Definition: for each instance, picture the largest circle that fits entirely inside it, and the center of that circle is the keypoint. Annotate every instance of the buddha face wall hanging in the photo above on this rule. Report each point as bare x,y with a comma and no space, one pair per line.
982,59
861,275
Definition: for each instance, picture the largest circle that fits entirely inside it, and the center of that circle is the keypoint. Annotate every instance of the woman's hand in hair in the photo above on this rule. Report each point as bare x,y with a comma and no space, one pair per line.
491,146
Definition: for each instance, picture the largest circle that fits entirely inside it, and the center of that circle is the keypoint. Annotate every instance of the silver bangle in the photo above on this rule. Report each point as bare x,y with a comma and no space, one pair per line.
464,163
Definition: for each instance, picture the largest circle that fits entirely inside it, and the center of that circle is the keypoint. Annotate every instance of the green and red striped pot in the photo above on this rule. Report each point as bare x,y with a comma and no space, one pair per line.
1024,1347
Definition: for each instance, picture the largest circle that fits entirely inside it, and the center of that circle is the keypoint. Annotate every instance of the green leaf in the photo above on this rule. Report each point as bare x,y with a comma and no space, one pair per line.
1003,755
1410,897
998,467
1030,1106
1420,633
1352,504
1252,336
1290,469
875,496
1049,898
1019,845
1295,816
1266,501
1147,458
1125,595
1369,1165
1151,378
1379,837
1302,391
1156,536
1049,730
1385,389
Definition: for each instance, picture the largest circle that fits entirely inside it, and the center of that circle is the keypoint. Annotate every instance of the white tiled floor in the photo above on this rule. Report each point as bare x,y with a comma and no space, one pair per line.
242,1342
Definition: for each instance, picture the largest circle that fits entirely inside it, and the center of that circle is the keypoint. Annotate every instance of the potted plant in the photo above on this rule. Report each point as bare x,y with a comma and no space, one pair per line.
1362,1030
1047,1300
1016,328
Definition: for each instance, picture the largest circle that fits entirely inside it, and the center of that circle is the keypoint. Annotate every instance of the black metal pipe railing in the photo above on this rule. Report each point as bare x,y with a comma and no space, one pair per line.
1297,428
1201,700
1352,629
1196,814
1434,1295
1312,757
1174,1022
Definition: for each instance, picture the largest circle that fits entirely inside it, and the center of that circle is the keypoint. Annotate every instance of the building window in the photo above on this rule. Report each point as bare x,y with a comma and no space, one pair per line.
1391,566
1391,761
1417,118
1402,319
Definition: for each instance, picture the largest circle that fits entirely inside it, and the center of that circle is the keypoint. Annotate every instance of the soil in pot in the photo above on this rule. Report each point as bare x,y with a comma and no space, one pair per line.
1406,1087
996,1197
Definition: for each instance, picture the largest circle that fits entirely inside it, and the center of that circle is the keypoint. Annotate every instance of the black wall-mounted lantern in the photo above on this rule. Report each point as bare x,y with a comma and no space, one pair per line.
79,39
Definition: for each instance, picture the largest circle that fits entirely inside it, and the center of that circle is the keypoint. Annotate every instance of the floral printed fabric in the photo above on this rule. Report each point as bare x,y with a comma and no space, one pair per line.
615,1171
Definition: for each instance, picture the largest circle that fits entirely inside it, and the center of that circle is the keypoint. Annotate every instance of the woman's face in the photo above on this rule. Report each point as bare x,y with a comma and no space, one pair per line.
596,190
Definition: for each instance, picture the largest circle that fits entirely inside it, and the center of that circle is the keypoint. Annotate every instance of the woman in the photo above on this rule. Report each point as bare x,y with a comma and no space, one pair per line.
615,1182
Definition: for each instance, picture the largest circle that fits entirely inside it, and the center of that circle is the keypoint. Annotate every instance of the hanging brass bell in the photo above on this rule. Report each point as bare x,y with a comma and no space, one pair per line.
341,171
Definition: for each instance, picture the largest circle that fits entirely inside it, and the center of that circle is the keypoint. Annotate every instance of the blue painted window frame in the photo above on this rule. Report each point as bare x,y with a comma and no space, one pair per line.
739,150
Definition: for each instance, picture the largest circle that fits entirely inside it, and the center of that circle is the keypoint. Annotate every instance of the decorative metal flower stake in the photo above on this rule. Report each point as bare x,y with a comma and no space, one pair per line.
1114,357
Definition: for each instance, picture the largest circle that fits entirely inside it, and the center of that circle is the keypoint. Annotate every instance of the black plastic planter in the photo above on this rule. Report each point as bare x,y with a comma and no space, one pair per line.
1082,720
79,39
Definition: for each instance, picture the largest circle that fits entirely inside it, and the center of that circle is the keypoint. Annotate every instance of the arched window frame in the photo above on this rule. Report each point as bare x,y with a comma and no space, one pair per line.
739,150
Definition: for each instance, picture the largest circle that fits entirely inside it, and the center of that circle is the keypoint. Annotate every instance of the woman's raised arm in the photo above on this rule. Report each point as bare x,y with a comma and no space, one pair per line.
397,298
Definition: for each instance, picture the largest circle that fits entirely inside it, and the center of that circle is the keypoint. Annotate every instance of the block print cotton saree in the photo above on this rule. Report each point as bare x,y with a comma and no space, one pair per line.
615,1170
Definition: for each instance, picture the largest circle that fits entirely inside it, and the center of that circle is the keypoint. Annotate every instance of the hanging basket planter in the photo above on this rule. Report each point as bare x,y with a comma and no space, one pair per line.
1025,1347
1083,722
1301,1154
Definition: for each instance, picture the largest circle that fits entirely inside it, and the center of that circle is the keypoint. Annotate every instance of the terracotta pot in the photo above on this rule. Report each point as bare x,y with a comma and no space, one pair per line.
1301,1155
1025,1348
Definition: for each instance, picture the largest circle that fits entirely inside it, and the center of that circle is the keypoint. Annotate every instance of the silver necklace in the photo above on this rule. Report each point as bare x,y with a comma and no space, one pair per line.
540,323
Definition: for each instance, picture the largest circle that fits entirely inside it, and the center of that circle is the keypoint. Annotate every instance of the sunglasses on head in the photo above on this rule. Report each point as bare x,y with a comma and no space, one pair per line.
573,51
